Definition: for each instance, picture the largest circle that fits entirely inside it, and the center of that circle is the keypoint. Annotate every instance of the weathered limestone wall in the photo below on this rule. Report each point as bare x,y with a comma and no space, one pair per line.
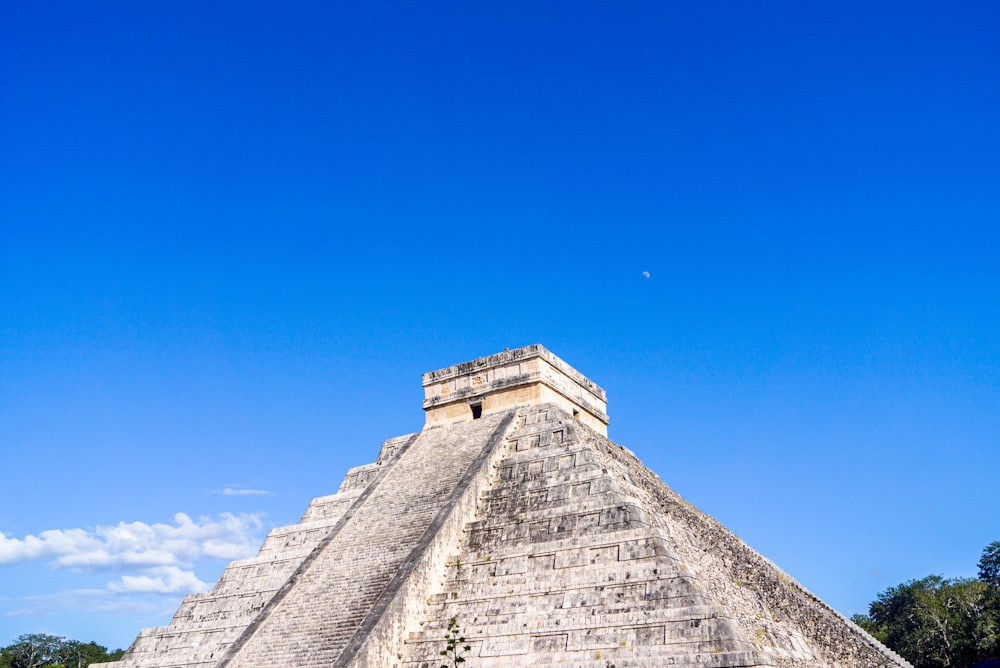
547,542
562,567
526,376
771,607
394,618
580,556
327,612
207,624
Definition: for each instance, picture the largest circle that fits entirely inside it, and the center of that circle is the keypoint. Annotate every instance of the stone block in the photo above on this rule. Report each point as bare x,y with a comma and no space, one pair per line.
512,513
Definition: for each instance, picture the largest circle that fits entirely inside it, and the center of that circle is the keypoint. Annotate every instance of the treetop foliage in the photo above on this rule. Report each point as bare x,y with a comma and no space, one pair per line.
39,650
936,622
989,564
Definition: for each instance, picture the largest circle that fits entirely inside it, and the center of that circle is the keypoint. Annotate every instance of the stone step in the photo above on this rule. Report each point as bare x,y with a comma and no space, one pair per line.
353,569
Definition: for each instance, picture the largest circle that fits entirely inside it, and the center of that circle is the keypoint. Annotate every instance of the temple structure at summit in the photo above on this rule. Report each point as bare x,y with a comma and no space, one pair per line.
513,514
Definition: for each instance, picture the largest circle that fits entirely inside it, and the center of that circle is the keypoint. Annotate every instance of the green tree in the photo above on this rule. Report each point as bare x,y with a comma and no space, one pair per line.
38,650
941,623
934,622
865,622
76,654
34,650
989,564
989,573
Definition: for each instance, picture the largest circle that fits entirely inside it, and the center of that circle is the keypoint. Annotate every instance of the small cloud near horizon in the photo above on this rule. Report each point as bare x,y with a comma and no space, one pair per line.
102,601
236,491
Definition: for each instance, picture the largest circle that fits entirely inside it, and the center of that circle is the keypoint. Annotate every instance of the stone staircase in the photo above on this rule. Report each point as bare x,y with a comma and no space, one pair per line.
344,582
562,566
206,624
512,513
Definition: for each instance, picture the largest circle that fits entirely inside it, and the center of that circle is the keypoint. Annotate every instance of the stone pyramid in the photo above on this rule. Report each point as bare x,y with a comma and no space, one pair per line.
512,513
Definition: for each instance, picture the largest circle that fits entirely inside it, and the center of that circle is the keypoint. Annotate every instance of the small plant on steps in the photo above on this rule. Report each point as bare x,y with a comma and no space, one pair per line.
455,646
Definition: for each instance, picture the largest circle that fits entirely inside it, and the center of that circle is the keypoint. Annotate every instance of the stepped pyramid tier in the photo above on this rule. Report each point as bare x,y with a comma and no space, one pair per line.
512,513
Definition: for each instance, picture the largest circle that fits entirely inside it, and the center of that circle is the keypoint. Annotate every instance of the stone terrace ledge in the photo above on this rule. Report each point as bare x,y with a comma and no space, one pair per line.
521,377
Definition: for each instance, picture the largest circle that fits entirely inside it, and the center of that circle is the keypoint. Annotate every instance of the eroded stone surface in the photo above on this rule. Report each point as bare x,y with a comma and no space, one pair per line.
548,543
514,378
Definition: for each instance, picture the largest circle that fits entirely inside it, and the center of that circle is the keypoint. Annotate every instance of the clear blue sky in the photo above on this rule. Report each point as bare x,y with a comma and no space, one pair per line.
233,235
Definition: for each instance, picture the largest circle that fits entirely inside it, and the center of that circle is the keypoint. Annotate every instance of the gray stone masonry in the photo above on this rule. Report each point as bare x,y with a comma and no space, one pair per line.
206,624
548,543
580,556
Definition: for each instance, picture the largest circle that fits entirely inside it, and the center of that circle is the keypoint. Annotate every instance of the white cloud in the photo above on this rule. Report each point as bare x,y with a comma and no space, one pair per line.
137,544
239,491
100,601
154,558
164,580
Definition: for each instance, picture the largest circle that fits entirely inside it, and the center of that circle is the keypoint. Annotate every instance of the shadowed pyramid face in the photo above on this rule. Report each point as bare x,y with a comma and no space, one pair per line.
526,376
543,540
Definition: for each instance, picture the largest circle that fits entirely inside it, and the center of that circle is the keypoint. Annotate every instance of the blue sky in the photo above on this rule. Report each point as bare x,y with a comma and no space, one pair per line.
235,234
